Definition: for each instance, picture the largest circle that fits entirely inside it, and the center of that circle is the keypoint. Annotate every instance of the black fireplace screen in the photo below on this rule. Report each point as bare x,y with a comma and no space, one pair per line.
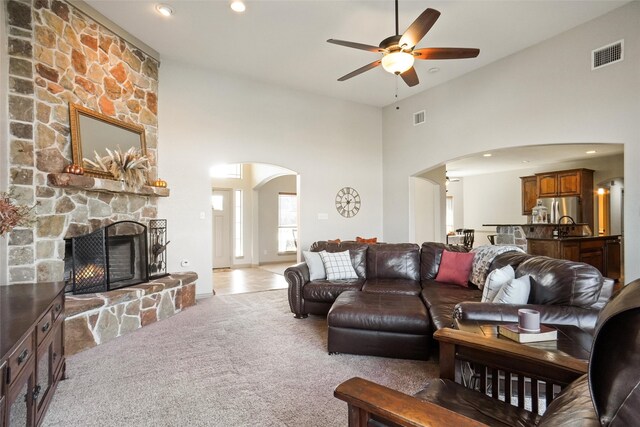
157,248
109,258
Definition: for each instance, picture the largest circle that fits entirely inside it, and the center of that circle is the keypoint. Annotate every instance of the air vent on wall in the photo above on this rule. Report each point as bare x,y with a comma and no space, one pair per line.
418,118
607,55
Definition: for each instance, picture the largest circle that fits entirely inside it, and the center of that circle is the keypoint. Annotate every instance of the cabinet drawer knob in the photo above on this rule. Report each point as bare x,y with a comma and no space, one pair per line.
45,328
22,357
58,307
36,392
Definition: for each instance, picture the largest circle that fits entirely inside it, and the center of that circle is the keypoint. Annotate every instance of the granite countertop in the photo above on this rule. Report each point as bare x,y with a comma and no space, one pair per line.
535,225
608,237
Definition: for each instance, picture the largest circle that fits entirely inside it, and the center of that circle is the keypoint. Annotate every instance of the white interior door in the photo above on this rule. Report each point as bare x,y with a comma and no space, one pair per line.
221,214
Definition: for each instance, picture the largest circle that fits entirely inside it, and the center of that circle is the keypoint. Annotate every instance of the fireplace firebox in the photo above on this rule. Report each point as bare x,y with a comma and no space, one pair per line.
109,258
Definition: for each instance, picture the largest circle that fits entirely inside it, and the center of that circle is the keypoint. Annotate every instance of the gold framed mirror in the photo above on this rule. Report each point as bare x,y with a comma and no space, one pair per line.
93,132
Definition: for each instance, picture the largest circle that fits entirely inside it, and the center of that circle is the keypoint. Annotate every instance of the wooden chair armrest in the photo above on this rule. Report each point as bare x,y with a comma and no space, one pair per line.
512,352
366,398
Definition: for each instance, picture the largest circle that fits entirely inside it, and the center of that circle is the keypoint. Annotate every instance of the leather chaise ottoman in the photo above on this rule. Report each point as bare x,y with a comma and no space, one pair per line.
377,324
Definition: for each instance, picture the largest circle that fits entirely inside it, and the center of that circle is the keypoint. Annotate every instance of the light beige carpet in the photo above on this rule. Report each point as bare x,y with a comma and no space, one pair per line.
236,360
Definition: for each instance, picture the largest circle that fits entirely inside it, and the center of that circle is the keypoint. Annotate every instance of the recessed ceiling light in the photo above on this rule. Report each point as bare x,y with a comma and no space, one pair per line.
487,155
591,152
434,70
238,6
525,161
164,10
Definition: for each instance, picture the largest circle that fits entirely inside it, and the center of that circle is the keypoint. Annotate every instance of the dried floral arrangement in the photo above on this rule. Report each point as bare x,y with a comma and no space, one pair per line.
130,166
13,215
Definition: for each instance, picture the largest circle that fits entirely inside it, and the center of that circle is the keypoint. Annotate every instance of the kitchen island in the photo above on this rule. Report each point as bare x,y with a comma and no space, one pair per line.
575,243
602,252
518,234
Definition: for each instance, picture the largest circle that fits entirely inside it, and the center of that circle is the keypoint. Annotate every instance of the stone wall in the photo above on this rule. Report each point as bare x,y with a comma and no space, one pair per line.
59,56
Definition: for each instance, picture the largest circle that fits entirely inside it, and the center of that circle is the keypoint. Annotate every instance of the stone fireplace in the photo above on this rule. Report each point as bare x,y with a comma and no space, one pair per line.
56,56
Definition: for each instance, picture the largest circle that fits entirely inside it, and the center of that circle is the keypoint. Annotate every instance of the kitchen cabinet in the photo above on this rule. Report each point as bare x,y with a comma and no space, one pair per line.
602,252
570,182
554,248
31,350
547,184
592,252
529,193
573,182
613,253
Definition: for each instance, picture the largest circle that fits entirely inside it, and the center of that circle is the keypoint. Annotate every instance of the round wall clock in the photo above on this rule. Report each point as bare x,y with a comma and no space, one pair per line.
348,202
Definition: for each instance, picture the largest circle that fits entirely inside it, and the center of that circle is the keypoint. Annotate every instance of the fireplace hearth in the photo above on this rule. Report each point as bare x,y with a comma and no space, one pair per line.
109,258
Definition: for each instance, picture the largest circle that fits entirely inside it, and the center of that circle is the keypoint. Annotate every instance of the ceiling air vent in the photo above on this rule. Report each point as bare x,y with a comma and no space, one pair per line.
607,55
418,118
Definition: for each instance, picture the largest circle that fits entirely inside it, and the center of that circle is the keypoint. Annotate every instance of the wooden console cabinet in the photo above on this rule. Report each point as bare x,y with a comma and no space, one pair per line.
601,252
32,350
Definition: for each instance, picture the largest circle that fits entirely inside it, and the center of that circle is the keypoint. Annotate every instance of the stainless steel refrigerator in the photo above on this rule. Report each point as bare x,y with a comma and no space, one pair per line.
557,207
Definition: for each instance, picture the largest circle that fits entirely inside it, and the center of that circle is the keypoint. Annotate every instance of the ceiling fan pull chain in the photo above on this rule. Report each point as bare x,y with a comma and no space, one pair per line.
397,32
396,87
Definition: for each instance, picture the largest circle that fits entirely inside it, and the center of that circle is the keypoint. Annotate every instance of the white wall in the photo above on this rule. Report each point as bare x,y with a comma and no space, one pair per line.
426,201
261,173
207,118
456,190
546,94
268,196
427,206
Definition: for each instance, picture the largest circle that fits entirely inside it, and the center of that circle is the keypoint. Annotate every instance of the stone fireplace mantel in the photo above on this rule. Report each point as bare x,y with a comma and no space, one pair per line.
88,183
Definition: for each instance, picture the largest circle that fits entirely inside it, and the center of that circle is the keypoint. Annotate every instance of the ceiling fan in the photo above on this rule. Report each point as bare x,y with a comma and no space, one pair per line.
399,51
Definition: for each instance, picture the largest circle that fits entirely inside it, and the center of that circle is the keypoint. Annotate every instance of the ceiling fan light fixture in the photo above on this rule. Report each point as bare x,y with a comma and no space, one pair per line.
397,62
238,6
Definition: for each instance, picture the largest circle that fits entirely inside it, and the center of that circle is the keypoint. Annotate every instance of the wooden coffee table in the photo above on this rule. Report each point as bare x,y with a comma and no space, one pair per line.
531,374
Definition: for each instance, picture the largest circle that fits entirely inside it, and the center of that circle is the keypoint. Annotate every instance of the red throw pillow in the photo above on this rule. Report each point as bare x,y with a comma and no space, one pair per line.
370,241
455,267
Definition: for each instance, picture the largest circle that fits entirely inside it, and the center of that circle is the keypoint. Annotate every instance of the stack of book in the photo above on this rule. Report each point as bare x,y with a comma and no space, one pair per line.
513,332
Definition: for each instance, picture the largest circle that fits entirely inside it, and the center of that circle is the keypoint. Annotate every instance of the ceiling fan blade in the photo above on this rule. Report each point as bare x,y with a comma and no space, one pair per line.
419,28
360,70
354,45
445,53
410,77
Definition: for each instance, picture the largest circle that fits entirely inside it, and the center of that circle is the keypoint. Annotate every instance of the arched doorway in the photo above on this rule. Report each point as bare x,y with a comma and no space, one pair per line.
254,214
486,186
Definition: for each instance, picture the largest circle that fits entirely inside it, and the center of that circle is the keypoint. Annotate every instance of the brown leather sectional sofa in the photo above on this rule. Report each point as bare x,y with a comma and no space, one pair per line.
564,292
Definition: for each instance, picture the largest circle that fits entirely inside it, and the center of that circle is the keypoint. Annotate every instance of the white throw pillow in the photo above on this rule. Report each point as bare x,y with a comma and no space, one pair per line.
337,265
315,264
515,292
495,281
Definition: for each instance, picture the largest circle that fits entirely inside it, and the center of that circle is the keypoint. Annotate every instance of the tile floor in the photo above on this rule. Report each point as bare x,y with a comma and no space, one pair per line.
242,280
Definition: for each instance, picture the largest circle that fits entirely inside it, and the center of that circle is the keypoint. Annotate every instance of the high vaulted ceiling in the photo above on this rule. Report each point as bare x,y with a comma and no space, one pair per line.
534,156
283,42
